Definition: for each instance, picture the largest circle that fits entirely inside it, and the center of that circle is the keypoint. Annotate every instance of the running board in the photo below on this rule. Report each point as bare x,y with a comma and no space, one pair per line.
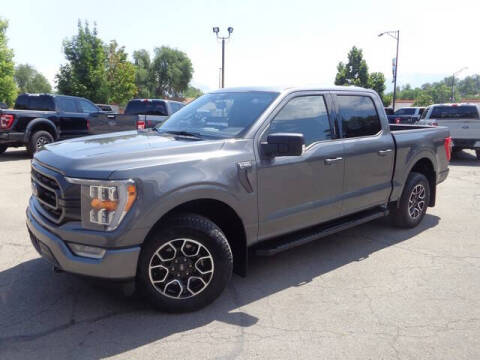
285,242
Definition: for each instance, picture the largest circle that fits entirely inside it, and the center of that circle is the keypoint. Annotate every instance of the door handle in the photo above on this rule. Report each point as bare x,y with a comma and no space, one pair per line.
465,127
384,152
331,161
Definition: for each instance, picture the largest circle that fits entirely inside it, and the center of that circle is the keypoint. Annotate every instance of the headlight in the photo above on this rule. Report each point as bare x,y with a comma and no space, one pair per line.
104,204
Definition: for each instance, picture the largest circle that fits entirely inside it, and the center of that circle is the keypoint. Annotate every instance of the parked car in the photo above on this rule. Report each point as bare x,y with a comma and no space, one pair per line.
461,119
178,207
39,119
388,111
407,115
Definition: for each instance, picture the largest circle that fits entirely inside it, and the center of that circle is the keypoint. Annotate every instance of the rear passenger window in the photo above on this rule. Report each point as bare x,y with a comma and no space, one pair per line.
306,115
359,116
66,105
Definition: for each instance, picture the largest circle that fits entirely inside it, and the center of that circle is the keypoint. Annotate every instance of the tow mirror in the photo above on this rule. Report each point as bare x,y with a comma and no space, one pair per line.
283,144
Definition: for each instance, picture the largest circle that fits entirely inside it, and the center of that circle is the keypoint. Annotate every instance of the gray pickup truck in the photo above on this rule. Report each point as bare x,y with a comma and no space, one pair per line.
238,171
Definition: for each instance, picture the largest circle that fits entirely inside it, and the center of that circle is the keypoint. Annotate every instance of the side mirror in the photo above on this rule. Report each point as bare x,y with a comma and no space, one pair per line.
283,144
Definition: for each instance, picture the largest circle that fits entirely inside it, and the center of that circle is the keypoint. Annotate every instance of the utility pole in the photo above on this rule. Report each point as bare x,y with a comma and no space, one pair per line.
216,30
453,81
395,35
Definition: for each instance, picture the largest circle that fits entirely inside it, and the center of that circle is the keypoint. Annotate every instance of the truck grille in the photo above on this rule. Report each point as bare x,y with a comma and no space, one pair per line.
57,199
46,190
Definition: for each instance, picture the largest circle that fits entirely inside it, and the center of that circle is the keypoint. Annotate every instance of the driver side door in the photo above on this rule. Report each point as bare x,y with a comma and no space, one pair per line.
296,192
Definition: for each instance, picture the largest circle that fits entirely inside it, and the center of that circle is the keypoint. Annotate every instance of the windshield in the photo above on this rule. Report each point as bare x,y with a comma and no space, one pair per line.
219,115
146,107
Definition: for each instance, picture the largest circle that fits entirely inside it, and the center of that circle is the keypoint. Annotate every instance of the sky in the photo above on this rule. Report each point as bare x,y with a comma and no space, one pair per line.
274,43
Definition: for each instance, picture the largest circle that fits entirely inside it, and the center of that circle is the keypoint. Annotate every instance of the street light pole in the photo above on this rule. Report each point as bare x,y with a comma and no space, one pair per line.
453,81
395,35
216,30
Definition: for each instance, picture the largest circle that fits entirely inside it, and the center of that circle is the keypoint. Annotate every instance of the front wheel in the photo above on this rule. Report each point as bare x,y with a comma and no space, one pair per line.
186,264
3,148
413,202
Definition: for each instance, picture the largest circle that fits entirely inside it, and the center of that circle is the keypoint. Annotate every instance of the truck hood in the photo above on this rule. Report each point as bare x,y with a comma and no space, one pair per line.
97,157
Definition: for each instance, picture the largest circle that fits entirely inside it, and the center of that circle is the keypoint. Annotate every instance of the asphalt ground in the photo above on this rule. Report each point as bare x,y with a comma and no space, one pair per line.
372,292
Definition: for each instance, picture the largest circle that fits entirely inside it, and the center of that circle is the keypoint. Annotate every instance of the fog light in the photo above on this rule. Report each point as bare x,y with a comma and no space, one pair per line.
87,251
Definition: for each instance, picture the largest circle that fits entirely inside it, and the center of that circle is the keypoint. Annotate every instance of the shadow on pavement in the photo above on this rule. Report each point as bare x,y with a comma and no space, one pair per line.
14,155
464,158
47,315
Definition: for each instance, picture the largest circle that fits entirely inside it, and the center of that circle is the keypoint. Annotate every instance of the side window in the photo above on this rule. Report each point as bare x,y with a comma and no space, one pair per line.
359,116
306,115
86,107
66,105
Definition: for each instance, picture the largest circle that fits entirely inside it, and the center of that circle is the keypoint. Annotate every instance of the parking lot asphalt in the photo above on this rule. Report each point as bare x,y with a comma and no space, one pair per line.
372,292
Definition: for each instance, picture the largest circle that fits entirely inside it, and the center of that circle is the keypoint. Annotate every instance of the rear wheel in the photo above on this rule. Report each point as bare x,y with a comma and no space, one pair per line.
413,202
3,148
477,151
186,264
38,140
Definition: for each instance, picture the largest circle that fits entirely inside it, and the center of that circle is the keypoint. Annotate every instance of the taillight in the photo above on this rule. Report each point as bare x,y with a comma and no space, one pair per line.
397,121
88,125
448,147
140,125
6,120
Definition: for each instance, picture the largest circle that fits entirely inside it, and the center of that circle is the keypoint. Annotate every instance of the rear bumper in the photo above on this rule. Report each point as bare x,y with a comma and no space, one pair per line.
11,137
466,143
117,264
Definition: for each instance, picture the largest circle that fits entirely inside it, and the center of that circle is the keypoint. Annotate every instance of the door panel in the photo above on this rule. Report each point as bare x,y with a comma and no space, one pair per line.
300,191
369,152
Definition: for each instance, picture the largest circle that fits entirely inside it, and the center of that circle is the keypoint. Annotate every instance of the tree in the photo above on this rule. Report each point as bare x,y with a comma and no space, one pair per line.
192,92
30,80
8,89
85,72
355,71
142,73
423,99
120,75
171,71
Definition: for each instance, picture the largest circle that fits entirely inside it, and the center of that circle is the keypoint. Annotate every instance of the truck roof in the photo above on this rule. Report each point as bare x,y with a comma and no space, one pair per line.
281,89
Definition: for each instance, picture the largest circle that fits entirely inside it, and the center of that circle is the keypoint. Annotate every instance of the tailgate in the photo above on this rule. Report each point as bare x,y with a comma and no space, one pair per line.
461,128
106,123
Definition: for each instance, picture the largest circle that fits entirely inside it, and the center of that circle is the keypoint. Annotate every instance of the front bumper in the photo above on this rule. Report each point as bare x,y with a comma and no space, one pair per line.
117,264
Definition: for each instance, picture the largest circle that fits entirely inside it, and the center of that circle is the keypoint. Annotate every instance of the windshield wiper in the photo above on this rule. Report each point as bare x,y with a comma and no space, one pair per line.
180,133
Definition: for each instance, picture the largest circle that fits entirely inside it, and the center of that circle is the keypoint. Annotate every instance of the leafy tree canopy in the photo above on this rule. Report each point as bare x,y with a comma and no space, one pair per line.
8,89
120,75
30,80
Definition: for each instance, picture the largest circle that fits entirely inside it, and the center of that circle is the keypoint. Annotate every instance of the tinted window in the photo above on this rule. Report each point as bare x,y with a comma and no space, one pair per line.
454,112
222,115
359,117
35,102
87,107
306,115
146,107
405,111
66,105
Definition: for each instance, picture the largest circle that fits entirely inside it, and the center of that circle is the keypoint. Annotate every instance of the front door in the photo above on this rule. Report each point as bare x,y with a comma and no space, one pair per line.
300,191
369,152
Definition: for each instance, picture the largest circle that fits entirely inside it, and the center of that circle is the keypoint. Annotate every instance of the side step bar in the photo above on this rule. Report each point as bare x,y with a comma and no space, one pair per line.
276,245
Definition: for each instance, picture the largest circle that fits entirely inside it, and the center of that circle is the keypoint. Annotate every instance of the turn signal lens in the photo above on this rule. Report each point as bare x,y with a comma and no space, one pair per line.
131,196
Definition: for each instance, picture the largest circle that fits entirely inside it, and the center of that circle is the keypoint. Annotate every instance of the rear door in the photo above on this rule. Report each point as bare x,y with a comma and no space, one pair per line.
70,118
368,152
295,192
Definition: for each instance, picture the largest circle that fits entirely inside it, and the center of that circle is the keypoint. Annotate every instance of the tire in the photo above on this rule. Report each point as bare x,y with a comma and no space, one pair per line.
413,202
456,150
3,148
37,140
477,152
187,247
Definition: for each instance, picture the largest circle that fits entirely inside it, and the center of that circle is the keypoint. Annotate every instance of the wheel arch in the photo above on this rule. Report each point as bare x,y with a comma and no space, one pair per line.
225,217
40,124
